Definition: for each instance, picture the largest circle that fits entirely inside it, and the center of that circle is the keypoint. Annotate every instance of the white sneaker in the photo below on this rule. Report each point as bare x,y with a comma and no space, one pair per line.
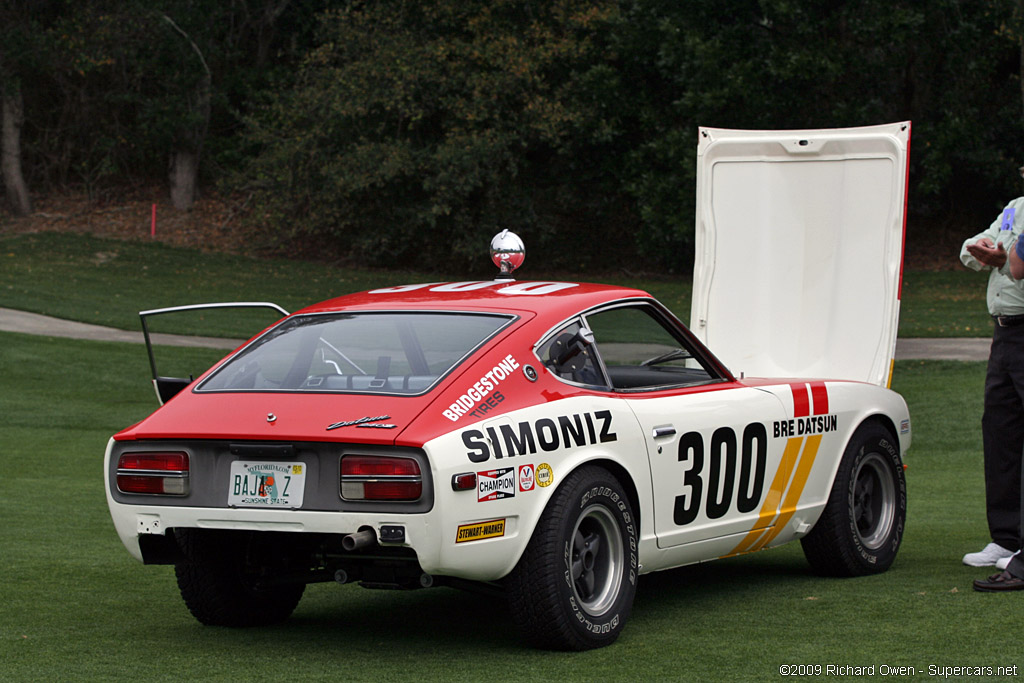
988,557
1003,562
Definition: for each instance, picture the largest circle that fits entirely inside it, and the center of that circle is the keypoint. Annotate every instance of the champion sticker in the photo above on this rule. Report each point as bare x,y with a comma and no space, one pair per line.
526,478
496,484
481,530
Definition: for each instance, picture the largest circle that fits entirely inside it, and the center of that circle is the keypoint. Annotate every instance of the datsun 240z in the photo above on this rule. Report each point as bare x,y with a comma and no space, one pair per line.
553,440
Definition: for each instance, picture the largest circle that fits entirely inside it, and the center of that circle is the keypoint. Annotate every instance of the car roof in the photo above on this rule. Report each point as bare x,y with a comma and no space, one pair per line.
544,298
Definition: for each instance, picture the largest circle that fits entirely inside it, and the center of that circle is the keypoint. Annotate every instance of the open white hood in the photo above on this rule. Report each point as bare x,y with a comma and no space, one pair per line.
799,250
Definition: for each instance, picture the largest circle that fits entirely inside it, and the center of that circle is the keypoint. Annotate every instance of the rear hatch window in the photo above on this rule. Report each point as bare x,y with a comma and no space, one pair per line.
389,353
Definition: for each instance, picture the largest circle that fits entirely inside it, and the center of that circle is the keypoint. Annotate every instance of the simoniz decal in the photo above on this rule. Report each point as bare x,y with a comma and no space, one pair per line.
811,420
468,402
546,434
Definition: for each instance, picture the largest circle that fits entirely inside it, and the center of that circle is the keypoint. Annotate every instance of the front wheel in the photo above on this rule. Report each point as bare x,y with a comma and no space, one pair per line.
573,587
861,528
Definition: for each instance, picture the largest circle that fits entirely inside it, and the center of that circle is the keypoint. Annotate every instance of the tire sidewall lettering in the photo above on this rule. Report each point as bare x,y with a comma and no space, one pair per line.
892,543
610,621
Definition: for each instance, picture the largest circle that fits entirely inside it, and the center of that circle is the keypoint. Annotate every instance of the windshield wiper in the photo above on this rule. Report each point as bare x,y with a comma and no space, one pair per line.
674,354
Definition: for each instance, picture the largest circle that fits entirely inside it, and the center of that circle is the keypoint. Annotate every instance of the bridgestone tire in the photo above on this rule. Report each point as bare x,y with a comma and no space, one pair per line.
217,580
573,587
861,528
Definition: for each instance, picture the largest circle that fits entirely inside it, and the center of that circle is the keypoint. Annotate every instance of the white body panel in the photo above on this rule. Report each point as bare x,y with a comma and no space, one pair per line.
799,247
799,468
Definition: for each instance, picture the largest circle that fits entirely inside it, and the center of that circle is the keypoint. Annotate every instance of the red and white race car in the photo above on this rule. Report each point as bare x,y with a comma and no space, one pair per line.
549,440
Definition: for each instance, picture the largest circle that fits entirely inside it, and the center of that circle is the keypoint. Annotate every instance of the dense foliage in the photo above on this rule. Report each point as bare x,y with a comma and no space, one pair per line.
409,131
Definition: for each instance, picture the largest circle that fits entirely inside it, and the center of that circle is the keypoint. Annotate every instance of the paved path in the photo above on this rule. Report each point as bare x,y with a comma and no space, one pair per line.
33,323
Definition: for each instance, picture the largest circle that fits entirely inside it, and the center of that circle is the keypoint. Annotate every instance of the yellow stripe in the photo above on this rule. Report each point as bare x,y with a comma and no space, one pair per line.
770,508
795,490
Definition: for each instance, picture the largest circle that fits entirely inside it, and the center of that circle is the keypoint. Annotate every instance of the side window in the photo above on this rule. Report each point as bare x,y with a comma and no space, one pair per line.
641,353
569,353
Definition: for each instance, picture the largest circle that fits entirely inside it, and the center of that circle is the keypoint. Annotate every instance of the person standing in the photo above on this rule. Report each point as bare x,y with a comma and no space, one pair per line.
1011,578
1002,424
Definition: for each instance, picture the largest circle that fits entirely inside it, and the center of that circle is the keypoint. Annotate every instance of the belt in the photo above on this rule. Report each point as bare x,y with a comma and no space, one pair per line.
1008,320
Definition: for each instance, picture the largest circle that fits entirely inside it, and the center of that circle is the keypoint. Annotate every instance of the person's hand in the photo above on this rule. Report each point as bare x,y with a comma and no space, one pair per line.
987,252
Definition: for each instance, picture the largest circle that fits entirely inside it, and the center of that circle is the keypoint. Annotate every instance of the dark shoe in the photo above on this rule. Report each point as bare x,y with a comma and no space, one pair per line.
1003,581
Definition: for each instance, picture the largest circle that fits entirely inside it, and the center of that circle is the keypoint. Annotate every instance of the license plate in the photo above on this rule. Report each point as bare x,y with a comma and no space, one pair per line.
266,484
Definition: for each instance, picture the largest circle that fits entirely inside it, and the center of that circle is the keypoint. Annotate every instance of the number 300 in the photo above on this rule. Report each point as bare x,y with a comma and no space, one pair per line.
721,478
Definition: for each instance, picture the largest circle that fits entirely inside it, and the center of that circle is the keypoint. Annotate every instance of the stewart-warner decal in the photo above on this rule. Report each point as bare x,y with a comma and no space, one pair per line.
546,434
476,401
364,423
481,530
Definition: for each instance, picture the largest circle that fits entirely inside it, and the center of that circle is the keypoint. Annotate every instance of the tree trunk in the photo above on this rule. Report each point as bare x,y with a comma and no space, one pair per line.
14,181
184,179
184,165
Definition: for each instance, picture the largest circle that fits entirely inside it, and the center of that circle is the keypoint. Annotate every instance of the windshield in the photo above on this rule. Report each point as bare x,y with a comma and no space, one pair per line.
390,353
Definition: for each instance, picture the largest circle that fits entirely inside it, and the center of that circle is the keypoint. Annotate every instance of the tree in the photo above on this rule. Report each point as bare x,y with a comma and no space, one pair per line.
416,130
188,140
15,56
12,108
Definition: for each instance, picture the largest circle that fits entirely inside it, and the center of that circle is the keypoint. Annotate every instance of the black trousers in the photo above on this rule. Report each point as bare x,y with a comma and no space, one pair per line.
1002,428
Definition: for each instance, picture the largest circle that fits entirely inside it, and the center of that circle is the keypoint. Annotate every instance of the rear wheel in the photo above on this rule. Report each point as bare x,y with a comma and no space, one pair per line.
861,528
226,579
573,587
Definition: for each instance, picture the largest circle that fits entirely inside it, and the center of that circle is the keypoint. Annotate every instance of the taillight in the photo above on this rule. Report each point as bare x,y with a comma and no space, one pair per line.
367,477
164,474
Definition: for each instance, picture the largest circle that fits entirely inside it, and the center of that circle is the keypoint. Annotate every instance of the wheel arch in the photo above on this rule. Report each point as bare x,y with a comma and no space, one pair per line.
886,423
623,476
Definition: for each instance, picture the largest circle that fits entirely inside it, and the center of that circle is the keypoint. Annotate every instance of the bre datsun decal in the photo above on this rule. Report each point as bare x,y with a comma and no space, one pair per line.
478,399
546,434
816,424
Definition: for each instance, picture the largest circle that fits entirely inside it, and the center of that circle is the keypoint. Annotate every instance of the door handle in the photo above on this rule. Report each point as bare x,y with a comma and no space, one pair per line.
660,432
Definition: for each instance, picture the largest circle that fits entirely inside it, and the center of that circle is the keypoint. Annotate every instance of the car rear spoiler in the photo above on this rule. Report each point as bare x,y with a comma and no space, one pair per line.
167,387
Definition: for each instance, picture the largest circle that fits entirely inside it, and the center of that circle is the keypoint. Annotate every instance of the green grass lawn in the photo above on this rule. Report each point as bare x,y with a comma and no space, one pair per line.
107,282
77,607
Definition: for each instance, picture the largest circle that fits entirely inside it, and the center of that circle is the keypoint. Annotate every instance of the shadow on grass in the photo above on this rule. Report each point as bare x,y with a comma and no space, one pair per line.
424,620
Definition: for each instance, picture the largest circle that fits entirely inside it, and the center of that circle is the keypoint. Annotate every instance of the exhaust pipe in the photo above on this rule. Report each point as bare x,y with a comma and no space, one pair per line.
358,540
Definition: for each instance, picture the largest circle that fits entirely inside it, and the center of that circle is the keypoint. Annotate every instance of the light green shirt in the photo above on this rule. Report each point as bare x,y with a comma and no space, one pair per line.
1005,296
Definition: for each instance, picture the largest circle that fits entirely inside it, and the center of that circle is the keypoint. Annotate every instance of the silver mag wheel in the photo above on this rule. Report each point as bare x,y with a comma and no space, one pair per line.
861,528
873,501
573,588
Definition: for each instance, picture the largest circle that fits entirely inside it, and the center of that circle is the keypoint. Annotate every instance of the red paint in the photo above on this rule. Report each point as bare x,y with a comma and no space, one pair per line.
820,395
801,401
